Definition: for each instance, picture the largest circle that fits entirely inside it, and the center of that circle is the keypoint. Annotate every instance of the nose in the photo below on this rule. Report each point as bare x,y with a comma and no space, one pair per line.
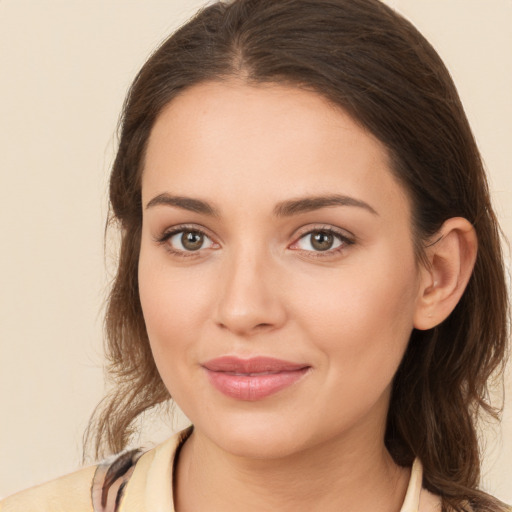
250,298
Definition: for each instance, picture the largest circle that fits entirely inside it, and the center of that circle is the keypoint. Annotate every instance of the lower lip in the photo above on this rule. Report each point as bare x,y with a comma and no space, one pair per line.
252,387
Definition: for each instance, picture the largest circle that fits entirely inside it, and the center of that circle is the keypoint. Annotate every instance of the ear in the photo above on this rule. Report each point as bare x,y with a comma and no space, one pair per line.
450,261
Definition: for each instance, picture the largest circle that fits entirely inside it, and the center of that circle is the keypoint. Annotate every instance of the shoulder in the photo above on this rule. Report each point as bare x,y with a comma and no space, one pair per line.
93,489
70,492
133,478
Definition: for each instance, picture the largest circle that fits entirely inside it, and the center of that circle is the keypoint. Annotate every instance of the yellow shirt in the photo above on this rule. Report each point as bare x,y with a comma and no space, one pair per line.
149,488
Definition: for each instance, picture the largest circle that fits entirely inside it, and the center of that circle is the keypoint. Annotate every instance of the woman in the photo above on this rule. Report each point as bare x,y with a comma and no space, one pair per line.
310,266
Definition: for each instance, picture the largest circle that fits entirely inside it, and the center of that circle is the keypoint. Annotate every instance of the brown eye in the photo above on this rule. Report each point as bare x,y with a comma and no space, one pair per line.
322,241
187,240
192,240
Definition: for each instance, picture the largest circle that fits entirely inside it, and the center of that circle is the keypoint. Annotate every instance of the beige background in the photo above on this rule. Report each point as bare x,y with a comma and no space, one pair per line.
64,69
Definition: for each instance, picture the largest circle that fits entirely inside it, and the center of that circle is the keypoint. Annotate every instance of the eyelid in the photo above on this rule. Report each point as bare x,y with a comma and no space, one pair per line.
344,236
176,228
329,228
169,232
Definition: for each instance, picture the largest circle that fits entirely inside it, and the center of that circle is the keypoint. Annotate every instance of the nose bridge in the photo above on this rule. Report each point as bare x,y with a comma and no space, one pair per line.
249,297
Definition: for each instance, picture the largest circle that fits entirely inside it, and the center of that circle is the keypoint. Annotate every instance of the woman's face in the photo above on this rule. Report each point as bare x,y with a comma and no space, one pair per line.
277,272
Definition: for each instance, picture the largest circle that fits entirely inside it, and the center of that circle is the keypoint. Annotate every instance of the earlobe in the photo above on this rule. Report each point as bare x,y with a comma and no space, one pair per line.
451,258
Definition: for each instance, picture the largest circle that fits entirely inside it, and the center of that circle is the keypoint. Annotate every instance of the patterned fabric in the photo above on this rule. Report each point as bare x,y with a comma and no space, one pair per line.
112,476
110,481
143,482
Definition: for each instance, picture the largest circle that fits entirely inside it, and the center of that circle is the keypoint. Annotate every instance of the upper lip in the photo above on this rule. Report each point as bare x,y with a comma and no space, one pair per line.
260,364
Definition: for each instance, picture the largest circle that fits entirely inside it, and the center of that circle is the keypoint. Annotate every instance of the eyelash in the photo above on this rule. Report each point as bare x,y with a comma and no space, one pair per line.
167,235
343,238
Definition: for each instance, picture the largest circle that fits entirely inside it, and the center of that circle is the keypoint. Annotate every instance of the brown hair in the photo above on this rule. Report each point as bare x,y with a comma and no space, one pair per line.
365,58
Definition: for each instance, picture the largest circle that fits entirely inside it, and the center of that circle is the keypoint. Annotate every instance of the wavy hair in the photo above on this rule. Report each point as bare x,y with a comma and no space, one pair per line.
371,62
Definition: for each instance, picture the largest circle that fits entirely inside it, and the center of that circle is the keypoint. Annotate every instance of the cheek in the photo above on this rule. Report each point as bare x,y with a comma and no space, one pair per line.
175,305
361,316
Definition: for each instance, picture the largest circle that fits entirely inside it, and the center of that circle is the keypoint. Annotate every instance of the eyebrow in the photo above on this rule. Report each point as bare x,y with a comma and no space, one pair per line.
283,209
185,203
308,204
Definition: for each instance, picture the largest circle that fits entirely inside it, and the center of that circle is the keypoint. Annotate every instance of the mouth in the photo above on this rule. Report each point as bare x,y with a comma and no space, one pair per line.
252,379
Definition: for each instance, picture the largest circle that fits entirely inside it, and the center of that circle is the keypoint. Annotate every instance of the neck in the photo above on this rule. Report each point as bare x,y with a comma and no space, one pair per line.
342,474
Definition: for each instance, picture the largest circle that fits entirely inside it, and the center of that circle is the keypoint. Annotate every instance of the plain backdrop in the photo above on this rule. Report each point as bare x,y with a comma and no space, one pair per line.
64,69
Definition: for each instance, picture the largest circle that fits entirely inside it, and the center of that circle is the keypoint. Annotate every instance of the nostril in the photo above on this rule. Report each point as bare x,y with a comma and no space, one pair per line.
245,328
262,326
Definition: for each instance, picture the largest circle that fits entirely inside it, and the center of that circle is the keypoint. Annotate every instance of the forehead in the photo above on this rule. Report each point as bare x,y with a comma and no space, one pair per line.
233,139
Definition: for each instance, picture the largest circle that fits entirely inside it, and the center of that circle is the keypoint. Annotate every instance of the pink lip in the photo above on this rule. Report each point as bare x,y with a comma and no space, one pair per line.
252,379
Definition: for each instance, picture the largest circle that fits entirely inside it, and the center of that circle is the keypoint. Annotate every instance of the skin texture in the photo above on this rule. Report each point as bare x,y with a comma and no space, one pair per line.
258,287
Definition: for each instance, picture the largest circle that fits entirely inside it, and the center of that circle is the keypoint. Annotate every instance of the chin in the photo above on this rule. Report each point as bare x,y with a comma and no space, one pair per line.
260,436
266,445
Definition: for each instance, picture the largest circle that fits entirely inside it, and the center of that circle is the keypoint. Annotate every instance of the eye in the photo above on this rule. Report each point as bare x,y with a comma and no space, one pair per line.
321,240
187,240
